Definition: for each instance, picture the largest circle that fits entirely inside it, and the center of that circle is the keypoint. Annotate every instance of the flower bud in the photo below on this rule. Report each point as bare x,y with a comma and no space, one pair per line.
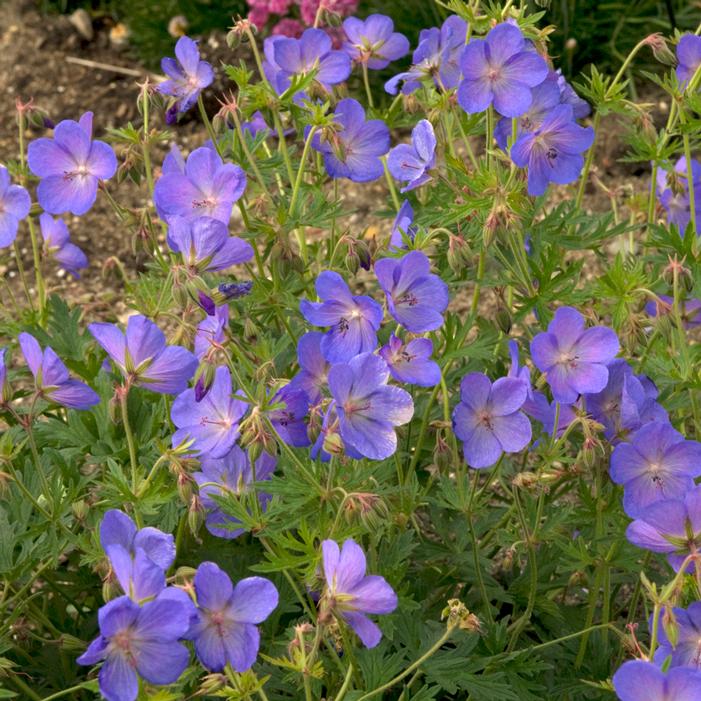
442,457
670,625
660,49
204,377
110,588
70,643
286,258
211,684
362,250
503,319
233,39
333,444
458,254
250,330
255,449
184,484
352,261
195,515
80,509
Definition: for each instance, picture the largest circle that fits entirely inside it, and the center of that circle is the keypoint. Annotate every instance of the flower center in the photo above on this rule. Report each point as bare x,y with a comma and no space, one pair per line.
122,640
80,171
409,299
484,418
206,203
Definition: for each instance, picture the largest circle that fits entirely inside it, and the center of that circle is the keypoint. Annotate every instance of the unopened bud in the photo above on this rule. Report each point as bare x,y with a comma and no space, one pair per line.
204,378
458,254
503,319
441,454
70,643
110,588
184,485
352,262
333,444
255,450
364,256
660,49
195,515
211,684
670,625
80,509
250,330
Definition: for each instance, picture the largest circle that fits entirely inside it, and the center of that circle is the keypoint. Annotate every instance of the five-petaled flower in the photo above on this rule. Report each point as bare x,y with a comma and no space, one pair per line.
57,244
287,57
188,76
574,358
205,245
351,594
143,356
500,69
354,320
140,641
70,166
231,474
202,186
436,58
411,362
416,298
488,419
368,409
139,557
226,629
655,463
672,527
353,148
373,41
51,376
210,423
553,152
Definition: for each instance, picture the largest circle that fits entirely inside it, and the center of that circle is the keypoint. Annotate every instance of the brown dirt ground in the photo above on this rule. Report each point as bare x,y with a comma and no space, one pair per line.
33,53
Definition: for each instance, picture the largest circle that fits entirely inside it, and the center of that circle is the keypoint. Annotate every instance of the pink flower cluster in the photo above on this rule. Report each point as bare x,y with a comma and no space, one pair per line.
288,24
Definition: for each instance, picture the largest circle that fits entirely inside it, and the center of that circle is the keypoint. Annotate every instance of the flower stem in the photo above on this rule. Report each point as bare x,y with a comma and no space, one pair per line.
584,177
478,282
123,402
346,684
296,189
32,232
488,134
390,184
366,81
689,172
41,289
145,144
430,652
521,623
208,125
22,274
249,156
